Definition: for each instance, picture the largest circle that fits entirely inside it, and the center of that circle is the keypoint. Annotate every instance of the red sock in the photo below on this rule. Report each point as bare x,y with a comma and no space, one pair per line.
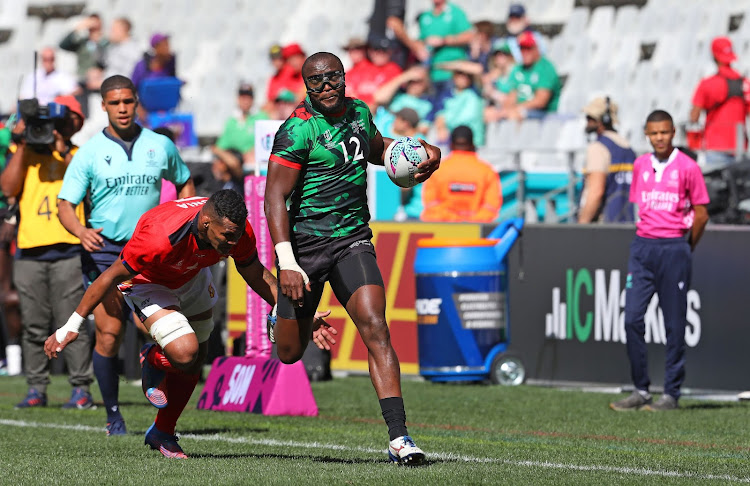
159,360
179,387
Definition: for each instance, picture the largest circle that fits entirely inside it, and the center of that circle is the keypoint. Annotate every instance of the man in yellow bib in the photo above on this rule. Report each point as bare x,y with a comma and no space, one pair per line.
47,267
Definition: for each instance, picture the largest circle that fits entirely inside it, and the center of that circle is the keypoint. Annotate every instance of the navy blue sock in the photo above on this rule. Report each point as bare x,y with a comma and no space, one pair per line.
105,370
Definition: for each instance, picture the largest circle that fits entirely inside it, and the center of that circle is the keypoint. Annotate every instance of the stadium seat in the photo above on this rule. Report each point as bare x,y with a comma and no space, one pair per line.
12,13
601,22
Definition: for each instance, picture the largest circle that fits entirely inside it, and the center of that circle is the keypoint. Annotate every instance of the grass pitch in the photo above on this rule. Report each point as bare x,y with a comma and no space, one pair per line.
472,434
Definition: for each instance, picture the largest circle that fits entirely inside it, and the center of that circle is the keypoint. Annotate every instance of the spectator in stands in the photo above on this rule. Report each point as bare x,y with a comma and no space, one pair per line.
481,45
290,75
371,75
360,65
239,130
356,49
608,168
87,40
47,268
160,62
227,171
50,82
405,124
274,55
466,188
464,106
446,32
123,53
725,97
535,86
410,89
387,20
516,24
496,83
671,195
284,104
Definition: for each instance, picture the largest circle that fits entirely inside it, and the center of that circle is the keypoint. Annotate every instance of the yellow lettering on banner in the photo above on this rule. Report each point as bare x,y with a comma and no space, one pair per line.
397,262
389,258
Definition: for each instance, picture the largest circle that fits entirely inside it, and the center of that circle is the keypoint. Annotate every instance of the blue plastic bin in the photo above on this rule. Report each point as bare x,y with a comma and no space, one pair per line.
462,307
160,94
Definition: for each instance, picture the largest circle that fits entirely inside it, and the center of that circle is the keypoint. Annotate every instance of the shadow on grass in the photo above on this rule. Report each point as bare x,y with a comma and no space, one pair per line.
709,406
224,430
297,457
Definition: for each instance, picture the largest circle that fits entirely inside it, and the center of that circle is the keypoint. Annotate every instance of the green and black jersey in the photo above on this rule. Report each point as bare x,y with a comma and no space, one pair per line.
330,198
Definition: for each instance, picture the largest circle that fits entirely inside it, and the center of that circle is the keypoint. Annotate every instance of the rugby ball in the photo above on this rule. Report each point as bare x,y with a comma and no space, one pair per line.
401,159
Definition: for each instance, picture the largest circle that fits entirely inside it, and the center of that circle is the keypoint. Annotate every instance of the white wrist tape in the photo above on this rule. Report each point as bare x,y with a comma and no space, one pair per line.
287,261
73,325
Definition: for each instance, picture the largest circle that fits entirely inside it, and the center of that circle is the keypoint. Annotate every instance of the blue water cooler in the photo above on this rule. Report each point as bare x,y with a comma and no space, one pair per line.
462,308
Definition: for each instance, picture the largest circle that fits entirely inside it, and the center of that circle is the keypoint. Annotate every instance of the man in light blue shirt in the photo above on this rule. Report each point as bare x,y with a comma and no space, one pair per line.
121,168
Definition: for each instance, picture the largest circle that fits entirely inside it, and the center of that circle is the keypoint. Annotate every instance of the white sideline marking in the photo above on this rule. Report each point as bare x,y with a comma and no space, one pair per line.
443,456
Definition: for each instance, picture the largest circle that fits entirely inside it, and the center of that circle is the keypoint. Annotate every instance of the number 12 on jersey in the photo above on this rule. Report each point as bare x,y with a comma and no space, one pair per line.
354,141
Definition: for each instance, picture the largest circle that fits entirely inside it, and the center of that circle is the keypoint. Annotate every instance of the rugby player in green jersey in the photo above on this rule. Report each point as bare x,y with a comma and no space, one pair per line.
319,160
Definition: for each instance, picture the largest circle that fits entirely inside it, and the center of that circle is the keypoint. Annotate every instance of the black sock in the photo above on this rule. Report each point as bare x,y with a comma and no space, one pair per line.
394,415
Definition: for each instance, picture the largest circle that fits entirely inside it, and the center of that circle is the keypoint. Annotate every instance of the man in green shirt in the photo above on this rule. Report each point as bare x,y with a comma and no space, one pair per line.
319,160
239,131
535,86
446,32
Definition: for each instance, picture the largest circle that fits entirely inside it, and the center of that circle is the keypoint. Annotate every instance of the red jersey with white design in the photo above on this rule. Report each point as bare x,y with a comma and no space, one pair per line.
666,194
165,250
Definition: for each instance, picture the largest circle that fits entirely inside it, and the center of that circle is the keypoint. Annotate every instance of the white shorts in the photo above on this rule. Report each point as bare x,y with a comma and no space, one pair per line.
193,298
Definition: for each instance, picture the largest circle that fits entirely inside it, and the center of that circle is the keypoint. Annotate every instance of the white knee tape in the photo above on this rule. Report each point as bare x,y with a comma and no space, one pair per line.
203,329
170,327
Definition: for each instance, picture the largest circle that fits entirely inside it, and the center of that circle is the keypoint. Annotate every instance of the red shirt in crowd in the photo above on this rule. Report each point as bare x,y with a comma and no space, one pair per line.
364,78
722,114
286,78
165,250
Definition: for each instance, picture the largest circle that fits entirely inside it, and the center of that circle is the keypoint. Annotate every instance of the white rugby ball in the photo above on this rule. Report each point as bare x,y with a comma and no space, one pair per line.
401,159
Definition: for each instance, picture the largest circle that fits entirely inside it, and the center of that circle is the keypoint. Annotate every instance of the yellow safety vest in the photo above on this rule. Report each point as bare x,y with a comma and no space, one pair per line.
39,225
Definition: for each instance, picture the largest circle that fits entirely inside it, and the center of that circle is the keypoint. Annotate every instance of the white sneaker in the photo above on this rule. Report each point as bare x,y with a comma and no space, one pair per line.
403,450
745,395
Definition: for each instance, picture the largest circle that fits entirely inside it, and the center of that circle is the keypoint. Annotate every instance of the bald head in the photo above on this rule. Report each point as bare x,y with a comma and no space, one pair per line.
321,62
47,58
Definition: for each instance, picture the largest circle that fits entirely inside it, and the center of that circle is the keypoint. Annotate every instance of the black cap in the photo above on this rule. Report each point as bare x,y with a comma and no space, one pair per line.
462,134
376,41
246,89
516,10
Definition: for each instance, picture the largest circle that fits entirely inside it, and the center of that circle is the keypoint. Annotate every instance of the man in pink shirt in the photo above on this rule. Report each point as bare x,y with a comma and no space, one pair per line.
725,97
671,196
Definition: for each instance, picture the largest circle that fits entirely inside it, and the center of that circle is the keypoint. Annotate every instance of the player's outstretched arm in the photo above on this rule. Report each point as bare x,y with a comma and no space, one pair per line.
115,274
260,280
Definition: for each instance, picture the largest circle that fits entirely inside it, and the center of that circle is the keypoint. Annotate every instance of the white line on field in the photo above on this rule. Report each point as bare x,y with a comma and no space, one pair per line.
442,456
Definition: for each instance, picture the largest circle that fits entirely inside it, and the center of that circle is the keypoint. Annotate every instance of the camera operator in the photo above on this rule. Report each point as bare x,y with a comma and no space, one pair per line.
47,267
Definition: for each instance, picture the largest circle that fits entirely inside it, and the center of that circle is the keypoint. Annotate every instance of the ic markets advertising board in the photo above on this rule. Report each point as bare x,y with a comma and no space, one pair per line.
567,297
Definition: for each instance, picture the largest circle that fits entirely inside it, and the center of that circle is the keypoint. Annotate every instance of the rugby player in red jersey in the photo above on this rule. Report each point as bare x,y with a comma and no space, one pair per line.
163,274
